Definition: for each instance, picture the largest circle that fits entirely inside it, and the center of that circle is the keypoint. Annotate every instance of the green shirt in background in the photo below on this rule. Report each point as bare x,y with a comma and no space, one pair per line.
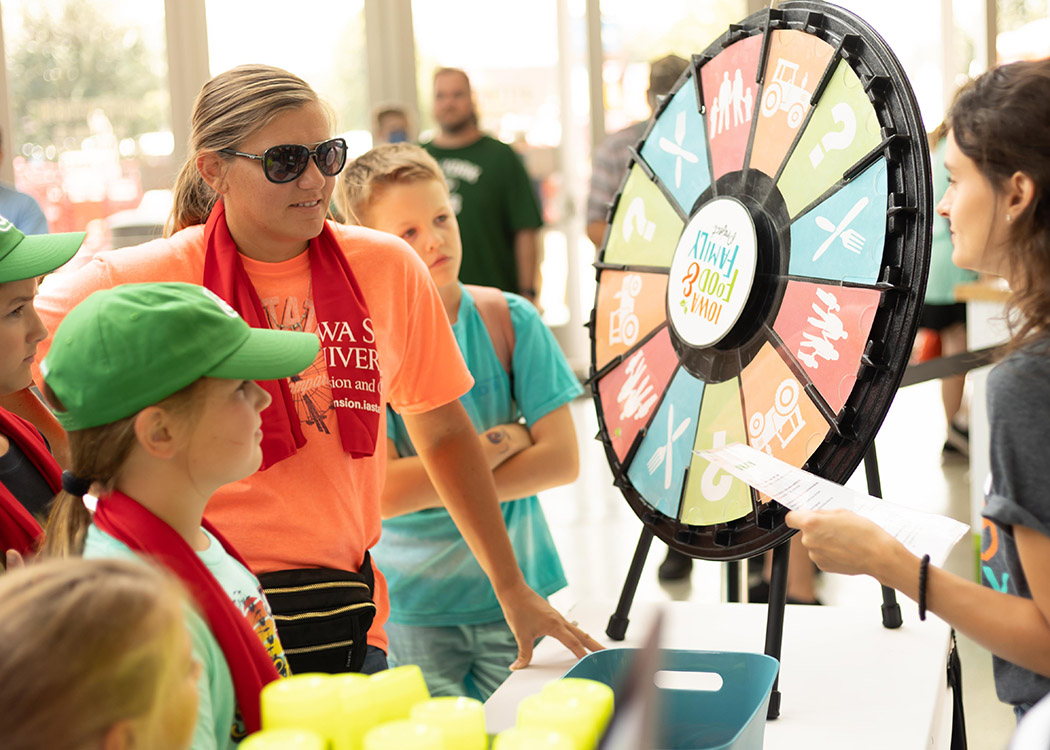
493,199
944,274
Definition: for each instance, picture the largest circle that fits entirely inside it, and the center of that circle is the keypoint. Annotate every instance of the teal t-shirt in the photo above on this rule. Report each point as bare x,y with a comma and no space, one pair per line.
944,274
433,577
218,725
493,199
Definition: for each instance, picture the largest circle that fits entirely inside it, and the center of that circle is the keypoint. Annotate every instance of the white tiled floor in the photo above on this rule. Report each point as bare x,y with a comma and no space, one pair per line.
596,533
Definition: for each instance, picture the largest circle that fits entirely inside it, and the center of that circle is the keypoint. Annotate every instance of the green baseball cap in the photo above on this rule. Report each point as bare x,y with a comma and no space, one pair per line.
126,348
27,256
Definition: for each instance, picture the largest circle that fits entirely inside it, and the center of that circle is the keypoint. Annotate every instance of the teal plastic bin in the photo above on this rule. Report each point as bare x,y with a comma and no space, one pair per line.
732,717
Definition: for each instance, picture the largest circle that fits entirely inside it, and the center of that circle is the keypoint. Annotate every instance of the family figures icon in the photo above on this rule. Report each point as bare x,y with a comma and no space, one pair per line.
733,98
829,328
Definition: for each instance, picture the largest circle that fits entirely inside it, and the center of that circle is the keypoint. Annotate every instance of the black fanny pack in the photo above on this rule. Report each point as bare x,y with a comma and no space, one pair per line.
322,616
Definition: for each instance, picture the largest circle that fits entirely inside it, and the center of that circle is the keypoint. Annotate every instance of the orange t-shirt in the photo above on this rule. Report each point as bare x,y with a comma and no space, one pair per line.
319,507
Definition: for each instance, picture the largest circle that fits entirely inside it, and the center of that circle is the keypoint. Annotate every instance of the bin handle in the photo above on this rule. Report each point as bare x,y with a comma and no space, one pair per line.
669,679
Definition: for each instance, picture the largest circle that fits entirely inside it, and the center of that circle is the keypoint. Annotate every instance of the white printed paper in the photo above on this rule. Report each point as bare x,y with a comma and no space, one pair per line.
921,533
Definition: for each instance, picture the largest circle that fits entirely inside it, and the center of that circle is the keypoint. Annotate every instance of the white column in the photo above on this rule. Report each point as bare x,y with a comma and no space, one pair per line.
391,53
595,58
7,170
988,30
186,28
949,60
572,336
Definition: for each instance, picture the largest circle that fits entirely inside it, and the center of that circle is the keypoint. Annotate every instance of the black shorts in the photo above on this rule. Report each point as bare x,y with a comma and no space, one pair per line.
939,317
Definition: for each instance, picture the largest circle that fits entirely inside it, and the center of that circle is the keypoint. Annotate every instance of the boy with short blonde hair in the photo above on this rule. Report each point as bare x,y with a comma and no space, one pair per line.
444,614
383,166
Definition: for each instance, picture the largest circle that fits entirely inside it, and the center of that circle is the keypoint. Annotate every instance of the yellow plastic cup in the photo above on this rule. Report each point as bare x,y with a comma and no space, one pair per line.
306,701
594,698
358,714
405,735
461,721
284,739
532,738
580,720
395,691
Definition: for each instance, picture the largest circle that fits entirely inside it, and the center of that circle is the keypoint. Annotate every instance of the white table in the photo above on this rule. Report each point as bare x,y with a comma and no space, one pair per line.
846,682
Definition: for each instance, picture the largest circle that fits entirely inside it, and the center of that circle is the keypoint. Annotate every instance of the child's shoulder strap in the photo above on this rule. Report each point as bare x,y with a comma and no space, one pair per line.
495,314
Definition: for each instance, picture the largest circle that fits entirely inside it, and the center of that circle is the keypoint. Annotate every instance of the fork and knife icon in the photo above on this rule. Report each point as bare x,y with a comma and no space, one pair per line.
851,239
663,454
674,148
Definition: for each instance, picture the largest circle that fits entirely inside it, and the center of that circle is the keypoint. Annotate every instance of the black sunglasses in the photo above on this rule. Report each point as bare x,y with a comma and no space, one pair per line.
285,163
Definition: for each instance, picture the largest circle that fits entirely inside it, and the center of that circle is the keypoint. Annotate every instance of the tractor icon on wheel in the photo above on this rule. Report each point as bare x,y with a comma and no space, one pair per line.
782,94
782,422
623,323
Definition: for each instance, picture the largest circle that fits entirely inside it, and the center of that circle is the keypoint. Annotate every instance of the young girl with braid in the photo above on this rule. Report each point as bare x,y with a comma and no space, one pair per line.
155,384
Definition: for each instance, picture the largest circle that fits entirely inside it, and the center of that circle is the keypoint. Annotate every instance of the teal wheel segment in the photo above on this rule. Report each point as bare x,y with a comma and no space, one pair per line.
843,237
676,148
660,465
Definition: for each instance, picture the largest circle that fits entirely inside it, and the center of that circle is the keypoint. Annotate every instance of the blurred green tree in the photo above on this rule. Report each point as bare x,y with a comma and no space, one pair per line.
68,65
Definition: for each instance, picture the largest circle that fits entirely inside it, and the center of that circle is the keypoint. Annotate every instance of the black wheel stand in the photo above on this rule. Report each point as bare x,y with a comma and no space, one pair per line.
891,610
648,364
617,627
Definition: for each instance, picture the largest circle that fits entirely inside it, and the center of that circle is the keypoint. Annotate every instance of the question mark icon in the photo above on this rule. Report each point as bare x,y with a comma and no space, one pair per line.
836,139
635,220
714,484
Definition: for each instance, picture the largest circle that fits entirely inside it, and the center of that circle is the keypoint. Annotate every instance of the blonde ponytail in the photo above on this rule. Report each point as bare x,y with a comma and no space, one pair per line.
98,454
98,458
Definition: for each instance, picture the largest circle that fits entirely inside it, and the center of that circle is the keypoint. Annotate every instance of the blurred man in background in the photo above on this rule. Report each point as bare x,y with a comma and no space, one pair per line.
20,209
496,207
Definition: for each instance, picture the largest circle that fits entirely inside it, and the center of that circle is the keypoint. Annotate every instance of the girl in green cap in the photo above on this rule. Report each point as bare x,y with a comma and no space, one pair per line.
155,384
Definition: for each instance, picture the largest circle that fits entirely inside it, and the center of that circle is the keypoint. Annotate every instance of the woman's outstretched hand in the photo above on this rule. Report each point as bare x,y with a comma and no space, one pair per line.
840,541
530,616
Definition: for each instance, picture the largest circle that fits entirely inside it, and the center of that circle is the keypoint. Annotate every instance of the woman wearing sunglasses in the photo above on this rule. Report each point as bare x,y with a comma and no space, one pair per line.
249,222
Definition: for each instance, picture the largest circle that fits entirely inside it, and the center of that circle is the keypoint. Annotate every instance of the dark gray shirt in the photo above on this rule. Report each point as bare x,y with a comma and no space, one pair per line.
1018,491
23,480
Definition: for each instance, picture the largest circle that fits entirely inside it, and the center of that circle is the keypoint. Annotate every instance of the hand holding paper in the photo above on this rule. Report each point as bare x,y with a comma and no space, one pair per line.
921,533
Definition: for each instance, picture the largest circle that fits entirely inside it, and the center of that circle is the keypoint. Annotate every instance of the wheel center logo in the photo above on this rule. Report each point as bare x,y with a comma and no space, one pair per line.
712,272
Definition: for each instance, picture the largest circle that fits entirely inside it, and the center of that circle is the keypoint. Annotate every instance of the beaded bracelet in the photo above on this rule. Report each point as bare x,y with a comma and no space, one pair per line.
924,568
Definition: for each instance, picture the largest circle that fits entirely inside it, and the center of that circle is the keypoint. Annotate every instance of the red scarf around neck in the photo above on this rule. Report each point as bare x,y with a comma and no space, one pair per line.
18,529
345,328
250,665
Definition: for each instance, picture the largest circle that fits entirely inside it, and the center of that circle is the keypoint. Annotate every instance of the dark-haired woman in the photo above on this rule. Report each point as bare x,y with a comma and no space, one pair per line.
998,207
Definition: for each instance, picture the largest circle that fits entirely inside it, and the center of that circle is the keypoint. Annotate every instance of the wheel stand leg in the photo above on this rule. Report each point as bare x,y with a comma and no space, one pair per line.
617,627
775,617
891,610
733,581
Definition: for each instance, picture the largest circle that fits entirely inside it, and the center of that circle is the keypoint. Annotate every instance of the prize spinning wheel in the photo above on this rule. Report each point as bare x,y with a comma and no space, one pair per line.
762,273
